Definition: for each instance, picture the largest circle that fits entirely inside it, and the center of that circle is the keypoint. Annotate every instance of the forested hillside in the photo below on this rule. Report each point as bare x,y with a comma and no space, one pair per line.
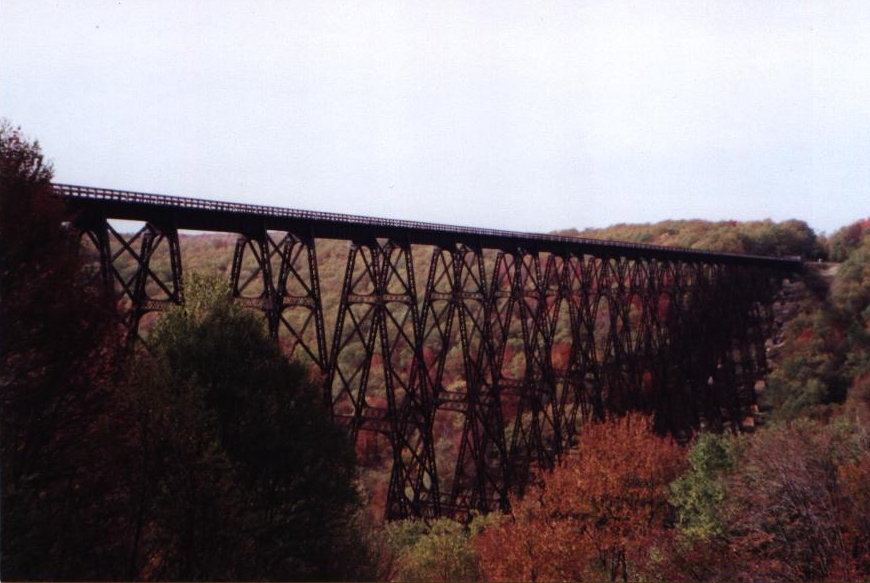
791,237
820,371
820,348
786,502
209,455
818,357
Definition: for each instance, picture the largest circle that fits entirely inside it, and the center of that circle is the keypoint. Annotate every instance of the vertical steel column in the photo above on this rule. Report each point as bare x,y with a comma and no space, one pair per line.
378,310
142,289
557,332
278,276
297,291
414,487
439,338
260,248
537,433
482,446
581,376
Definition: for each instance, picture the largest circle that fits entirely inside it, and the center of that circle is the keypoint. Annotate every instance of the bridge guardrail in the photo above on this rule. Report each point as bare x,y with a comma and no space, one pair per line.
73,192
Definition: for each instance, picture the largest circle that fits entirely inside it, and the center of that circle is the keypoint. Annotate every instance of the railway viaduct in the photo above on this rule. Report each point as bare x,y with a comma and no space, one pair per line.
430,316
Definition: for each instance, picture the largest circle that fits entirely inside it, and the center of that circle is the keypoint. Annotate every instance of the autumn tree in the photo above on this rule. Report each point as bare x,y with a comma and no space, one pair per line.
846,239
791,512
600,515
56,362
781,504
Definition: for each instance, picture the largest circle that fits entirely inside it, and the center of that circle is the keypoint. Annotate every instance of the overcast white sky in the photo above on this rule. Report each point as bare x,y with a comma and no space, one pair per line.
528,116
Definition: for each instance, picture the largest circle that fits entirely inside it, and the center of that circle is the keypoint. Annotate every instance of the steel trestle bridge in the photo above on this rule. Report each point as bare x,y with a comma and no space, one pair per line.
475,354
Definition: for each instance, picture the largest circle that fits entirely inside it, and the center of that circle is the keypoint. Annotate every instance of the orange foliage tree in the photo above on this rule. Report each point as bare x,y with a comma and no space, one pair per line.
600,515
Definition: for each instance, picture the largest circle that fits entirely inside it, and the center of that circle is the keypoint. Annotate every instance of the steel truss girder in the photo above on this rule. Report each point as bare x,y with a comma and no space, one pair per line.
457,310
378,312
277,273
514,347
146,288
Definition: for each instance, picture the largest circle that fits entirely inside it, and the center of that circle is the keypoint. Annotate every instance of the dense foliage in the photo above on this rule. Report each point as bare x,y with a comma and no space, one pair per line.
56,362
788,502
787,238
601,515
240,474
435,550
784,504
209,455
823,358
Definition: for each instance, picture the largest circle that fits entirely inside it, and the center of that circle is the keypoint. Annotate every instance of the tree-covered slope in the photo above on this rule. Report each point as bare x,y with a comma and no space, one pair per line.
821,348
766,237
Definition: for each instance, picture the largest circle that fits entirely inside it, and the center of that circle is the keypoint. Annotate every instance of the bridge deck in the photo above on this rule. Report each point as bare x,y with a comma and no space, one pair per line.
210,215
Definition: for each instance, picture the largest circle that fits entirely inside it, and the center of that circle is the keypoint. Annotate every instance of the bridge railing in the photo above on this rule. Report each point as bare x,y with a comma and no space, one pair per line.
73,192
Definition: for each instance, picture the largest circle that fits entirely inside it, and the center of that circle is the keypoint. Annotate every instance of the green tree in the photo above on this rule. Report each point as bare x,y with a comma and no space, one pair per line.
241,473
851,300
438,550
699,494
